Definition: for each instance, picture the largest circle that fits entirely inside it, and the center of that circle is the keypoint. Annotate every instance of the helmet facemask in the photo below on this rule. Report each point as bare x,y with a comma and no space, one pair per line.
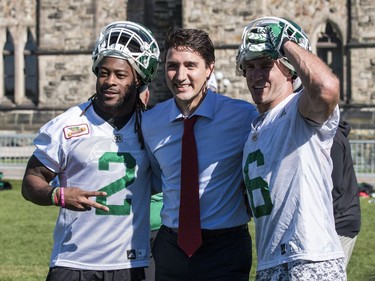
131,42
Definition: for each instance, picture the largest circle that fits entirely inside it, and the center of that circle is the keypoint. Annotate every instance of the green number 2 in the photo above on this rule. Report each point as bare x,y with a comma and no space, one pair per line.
257,183
118,185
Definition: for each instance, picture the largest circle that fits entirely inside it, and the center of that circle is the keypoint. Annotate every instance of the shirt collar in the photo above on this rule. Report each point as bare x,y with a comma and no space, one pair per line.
205,109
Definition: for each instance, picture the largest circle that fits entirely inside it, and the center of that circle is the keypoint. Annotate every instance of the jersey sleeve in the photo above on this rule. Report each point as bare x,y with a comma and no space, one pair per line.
49,152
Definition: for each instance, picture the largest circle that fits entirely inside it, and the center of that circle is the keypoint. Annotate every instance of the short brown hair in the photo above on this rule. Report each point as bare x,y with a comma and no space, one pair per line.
194,39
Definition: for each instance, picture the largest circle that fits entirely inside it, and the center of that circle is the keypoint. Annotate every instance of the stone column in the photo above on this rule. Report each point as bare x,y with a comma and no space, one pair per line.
19,33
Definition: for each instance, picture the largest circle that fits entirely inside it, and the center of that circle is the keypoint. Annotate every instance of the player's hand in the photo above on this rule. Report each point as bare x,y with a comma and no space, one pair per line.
260,45
77,199
279,33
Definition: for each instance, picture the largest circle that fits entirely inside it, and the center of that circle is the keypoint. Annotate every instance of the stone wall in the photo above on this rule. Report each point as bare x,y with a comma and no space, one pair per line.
65,80
67,33
361,49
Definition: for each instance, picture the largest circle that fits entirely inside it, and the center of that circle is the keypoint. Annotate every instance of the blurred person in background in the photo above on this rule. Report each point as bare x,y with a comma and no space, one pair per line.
345,193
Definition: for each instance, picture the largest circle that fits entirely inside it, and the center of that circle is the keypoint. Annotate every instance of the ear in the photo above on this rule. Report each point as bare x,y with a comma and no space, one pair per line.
145,96
209,70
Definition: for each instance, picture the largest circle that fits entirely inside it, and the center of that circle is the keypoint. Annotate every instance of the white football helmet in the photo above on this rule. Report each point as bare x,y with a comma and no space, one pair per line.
129,41
294,32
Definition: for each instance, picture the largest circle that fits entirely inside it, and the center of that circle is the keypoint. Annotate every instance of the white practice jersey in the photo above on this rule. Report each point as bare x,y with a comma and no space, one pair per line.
89,153
287,171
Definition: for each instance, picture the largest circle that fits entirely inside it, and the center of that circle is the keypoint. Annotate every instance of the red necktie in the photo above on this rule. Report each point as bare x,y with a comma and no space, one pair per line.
189,226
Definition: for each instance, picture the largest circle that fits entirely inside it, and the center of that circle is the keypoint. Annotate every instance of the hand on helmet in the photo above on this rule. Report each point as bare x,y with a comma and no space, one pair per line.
265,37
259,44
279,33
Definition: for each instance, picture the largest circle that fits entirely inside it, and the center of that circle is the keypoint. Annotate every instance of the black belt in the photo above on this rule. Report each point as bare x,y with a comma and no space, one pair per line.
207,233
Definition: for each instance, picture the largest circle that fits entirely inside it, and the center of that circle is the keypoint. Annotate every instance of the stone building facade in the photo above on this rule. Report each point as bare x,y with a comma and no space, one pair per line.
47,45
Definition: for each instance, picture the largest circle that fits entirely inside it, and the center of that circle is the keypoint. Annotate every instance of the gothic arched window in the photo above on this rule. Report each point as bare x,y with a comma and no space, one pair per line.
330,50
8,54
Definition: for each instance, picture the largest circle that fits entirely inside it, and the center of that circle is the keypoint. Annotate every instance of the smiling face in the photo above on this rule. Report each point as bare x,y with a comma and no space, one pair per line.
269,82
116,87
186,75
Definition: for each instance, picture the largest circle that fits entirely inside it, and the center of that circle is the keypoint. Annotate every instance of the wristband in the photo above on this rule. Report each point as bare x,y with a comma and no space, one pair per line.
54,197
62,197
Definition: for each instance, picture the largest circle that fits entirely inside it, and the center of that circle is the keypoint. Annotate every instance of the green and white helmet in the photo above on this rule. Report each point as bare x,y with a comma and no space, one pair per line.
291,30
129,41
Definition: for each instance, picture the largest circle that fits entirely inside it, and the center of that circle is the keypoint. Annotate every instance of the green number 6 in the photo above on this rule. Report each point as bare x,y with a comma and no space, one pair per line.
257,183
118,185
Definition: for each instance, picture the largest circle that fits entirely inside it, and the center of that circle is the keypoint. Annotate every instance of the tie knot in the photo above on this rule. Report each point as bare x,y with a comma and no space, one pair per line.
190,122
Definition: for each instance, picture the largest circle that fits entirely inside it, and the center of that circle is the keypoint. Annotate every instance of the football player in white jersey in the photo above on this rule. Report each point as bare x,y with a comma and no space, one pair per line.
286,161
96,150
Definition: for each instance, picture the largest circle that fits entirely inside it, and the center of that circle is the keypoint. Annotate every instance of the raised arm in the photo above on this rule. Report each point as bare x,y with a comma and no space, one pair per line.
321,87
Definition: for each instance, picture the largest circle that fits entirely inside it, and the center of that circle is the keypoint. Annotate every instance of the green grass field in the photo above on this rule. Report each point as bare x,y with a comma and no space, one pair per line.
26,240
